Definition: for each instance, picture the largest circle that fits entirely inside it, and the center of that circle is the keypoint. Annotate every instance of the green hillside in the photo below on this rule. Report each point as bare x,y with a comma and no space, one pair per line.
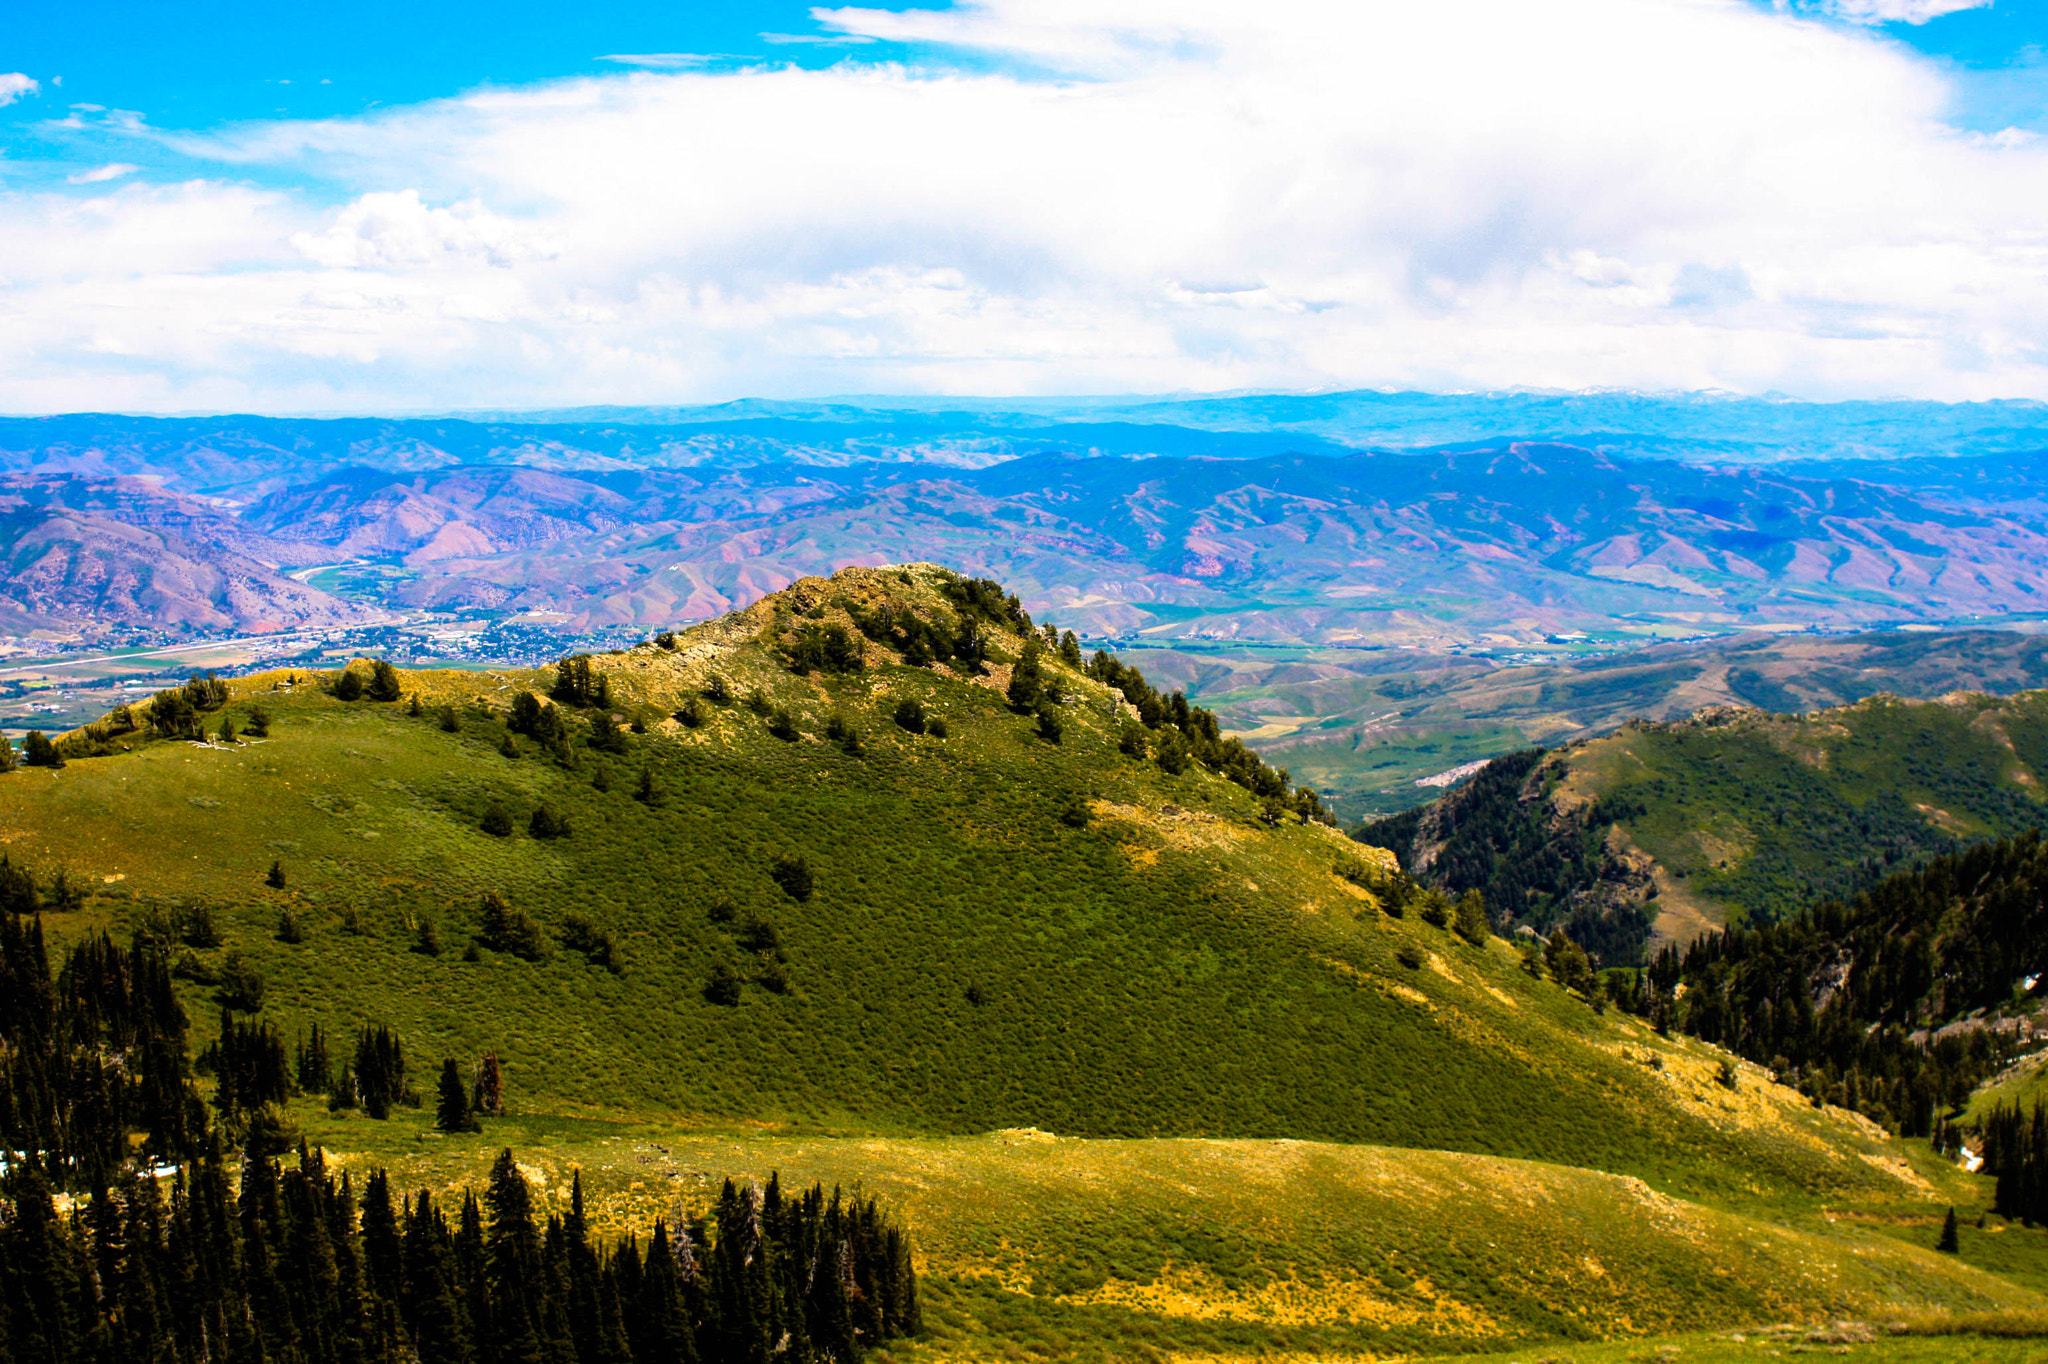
1028,922
1663,830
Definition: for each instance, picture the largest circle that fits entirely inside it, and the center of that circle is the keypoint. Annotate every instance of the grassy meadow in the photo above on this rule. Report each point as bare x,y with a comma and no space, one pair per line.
1148,1077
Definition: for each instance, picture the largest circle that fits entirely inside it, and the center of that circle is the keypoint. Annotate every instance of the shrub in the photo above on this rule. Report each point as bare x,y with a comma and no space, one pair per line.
497,820
722,911
198,928
773,976
450,723
38,751
909,715
426,939
936,727
717,690
259,723
1410,957
845,735
723,988
288,929
384,684
691,716
241,985
545,823
793,874
348,687
506,929
758,935
191,966
783,726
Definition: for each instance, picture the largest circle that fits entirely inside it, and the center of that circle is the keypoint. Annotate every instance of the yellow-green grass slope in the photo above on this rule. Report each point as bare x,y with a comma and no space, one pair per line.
1034,1245
970,962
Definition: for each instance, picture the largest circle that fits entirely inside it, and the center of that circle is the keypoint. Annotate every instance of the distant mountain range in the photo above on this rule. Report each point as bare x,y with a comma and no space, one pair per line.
1259,518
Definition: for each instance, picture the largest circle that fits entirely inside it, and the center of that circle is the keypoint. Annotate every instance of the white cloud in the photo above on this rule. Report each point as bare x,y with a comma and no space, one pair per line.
1478,193
385,229
99,174
661,61
14,85
1900,11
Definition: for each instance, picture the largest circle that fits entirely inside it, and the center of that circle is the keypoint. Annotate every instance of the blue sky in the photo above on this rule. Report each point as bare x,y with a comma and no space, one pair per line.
385,205
200,63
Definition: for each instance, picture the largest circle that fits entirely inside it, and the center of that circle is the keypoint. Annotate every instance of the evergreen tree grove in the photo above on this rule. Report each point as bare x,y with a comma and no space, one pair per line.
288,1267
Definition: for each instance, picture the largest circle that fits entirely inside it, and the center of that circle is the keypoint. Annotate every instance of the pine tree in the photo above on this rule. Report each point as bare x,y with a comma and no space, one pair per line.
275,880
383,1253
1051,727
509,746
288,929
1470,918
1948,1241
450,724
1027,677
348,686
512,1266
452,1113
647,793
415,710
497,821
8,762
227,730
490,1086
426,938
312,1068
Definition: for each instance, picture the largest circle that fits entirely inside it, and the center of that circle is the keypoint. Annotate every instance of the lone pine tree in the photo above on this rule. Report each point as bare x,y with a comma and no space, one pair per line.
451,1112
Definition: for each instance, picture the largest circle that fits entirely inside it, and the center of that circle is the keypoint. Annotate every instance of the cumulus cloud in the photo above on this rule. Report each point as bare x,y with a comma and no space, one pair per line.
388,229
1114,195
14,85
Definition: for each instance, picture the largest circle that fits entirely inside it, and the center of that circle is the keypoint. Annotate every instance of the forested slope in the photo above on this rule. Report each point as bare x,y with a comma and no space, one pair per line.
1732,815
